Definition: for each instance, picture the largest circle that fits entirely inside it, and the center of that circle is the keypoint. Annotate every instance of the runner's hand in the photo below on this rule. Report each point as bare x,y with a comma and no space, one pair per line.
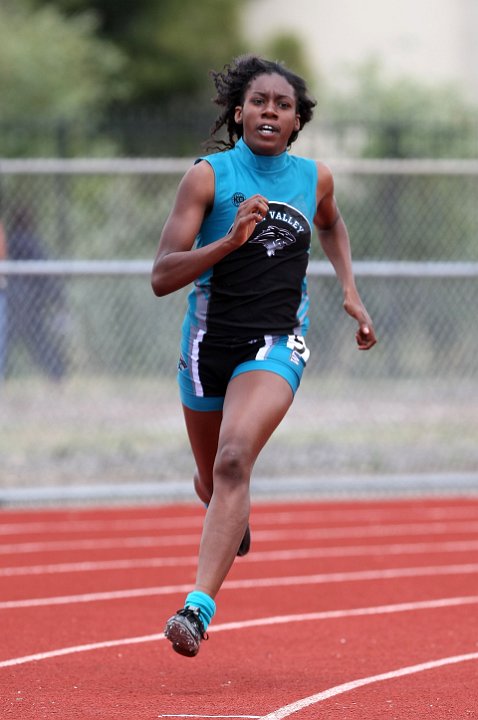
365,335
250,212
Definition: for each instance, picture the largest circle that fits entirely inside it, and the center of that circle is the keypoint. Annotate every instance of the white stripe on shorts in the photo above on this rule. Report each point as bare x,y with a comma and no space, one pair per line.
195,363
264,350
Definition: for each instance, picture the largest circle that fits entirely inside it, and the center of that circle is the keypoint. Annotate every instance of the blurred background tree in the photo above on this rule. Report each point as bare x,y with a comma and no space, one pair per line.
378,116
115,77
164,43
401,117
141,67
52,71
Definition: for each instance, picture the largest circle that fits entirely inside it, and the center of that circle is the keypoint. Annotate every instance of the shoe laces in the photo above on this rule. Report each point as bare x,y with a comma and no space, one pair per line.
193,615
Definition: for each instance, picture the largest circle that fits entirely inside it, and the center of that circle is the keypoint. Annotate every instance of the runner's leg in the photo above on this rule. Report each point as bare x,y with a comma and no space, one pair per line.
203,432
255,404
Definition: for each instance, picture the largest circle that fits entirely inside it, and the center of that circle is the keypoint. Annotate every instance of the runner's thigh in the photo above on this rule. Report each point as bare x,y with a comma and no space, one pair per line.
255,404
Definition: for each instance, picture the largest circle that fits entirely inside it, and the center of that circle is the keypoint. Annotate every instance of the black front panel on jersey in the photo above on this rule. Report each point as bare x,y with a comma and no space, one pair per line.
258,288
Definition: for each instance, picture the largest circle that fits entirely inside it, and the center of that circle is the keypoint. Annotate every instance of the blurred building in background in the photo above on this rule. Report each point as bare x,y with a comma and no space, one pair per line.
431,40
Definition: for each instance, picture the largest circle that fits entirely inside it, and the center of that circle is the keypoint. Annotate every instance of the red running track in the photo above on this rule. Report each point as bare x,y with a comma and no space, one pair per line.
343,610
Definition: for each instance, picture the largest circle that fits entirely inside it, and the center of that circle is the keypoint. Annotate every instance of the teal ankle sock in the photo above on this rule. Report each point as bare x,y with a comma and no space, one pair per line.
206,604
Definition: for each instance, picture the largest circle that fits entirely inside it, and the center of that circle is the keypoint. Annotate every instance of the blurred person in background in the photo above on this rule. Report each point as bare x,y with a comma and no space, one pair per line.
3,303
35,303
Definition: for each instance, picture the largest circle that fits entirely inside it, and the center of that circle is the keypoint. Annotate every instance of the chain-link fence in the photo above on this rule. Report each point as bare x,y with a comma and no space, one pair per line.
89,355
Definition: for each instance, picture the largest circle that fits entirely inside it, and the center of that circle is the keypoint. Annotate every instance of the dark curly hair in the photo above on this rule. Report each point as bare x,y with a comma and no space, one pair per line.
231,85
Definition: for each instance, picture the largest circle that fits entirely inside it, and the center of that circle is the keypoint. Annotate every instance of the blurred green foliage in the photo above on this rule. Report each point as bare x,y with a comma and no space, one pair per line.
168,46
402,117
51,67
113,77
108,77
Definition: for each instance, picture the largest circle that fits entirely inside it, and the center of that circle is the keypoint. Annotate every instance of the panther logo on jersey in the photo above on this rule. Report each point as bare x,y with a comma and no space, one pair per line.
283,226
274,238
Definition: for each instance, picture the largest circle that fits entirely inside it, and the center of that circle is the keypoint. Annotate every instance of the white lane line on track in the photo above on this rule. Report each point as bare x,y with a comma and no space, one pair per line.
258,622
259,536
288,710
81,526
454,546
267,518
252,583
100,544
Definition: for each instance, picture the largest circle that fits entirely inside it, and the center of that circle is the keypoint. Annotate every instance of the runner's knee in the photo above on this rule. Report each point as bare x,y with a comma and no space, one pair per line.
232,465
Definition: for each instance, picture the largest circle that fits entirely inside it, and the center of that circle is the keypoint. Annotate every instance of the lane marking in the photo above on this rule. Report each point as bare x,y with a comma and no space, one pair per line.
288,710
267,556
266,518
199,717
79,649
100,544
248,583
257,622
81,526
73,567
435,528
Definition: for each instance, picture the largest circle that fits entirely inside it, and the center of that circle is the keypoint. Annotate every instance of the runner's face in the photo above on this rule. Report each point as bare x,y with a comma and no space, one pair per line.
269,114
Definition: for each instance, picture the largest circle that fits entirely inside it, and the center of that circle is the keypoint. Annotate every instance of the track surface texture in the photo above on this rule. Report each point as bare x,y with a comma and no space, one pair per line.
345,610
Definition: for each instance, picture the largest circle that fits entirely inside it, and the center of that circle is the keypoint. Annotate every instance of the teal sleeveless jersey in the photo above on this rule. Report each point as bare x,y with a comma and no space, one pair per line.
260,288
